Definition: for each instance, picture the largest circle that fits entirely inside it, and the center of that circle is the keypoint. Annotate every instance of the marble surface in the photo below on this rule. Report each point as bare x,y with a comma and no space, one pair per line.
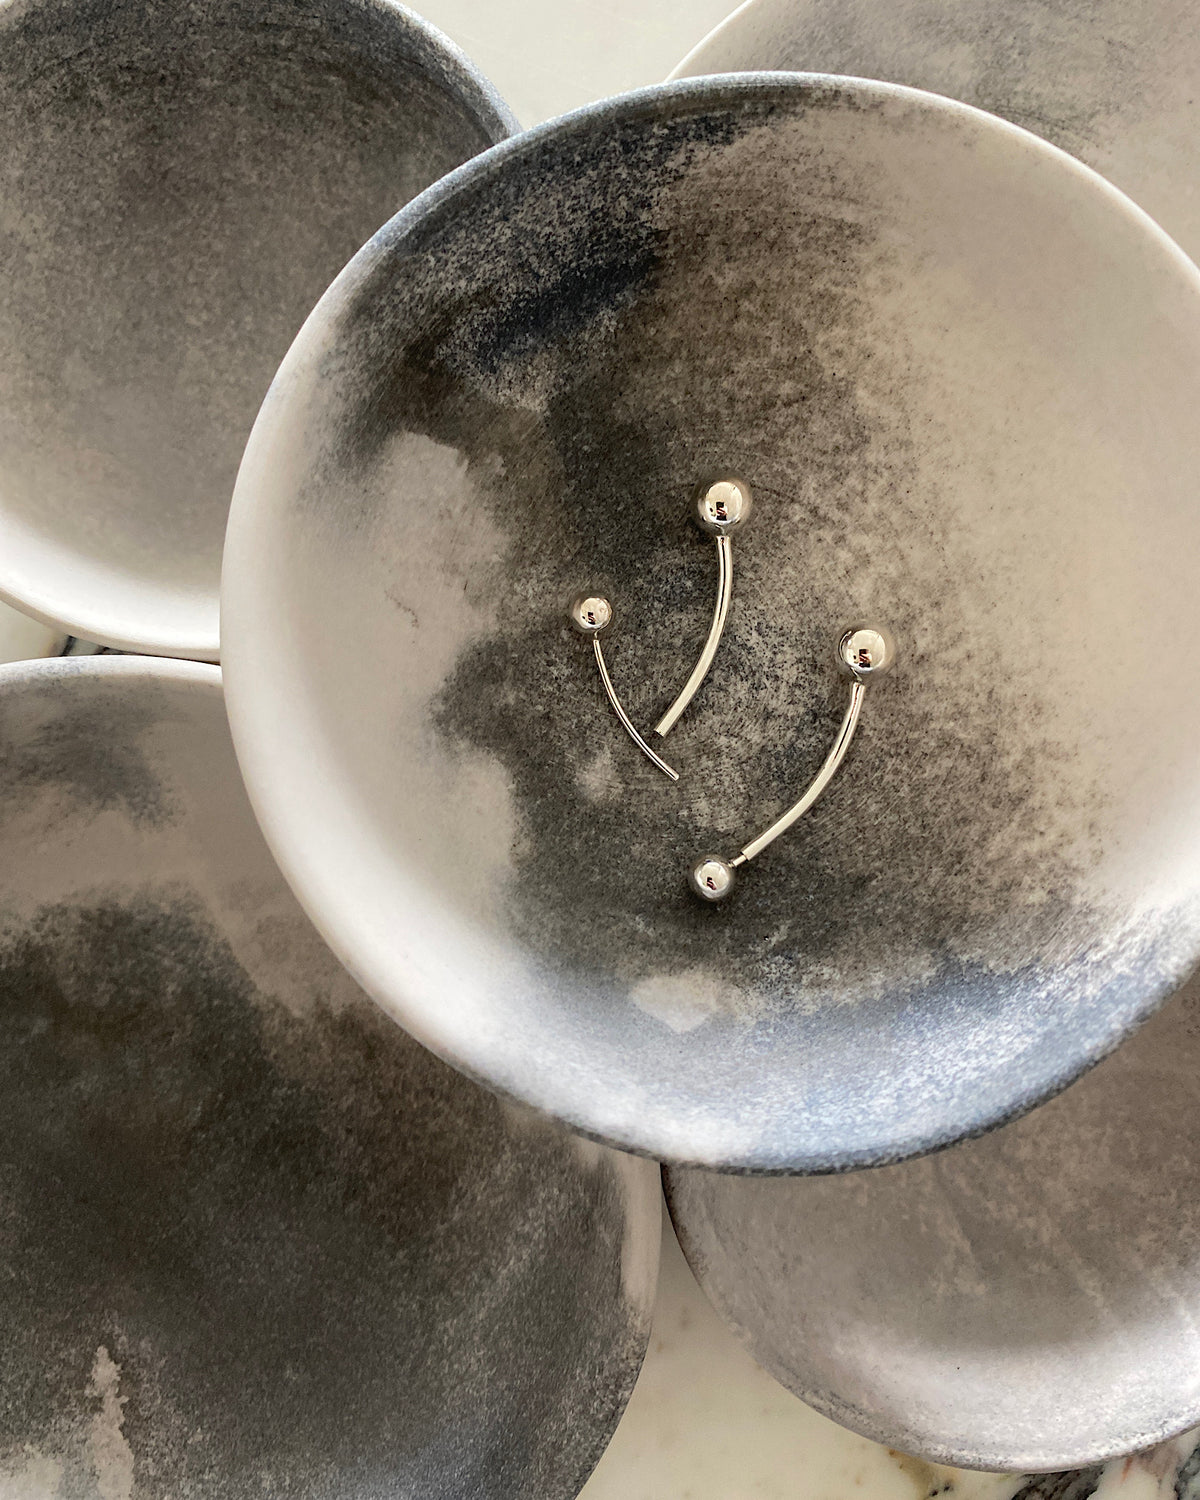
22,639
547,56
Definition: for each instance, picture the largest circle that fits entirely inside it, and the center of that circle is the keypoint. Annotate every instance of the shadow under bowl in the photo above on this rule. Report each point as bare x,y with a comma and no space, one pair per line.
178,186
958,371
256,1239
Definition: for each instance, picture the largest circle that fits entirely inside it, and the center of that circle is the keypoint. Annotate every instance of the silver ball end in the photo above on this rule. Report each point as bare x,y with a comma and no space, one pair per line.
711,878
865,651
722,505
591,615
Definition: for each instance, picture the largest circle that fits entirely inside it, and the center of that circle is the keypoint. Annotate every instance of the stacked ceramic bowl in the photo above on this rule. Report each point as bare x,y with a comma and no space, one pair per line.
263,1235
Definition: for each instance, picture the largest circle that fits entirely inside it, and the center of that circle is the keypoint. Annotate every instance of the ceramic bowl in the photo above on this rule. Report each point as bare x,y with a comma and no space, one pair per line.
1026,1301
916,331
1117,85
178,186
256,1240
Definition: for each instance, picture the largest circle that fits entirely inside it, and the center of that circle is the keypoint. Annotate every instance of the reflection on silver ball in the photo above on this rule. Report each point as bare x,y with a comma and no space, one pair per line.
711,877
866,651
722,505
591,614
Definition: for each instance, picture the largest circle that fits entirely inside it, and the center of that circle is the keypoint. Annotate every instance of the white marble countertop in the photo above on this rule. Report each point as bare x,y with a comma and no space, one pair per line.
21,637
704,1423
548,56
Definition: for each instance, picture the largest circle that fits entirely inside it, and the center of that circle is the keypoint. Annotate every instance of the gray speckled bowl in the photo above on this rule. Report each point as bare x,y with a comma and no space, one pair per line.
178,185
1114,83
1026,1301
256,1240
959,370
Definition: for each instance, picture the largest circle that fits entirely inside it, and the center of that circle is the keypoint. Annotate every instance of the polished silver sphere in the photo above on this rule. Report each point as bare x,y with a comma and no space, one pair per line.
866,651
591,614
711,877
722,505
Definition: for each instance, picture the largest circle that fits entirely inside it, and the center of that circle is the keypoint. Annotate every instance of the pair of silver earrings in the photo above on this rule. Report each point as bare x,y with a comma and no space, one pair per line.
863,653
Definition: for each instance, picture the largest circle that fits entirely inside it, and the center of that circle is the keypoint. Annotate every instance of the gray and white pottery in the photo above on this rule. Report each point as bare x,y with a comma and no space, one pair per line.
959,370
256,1241
1026,1301
178,185
1115,83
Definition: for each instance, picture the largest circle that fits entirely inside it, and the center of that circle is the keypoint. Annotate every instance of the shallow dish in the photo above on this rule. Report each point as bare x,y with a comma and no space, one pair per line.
256,1240
1117,85
178,186
916,331
1029,1300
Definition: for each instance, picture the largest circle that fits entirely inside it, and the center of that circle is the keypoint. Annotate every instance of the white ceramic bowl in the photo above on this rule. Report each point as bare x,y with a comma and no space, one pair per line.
256,1240
1114,83
178,185
1026,1301
960,371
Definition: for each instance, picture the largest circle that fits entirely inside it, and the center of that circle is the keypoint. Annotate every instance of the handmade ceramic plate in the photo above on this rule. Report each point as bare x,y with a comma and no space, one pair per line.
178,186
1117,85
959,371
1030,1300
256,1240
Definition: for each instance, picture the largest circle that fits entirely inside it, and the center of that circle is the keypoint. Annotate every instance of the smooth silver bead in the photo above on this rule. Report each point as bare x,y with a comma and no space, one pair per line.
591,614
722,505
711,878
866,651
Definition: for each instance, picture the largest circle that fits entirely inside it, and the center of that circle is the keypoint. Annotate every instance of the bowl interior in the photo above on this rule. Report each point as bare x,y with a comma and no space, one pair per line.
916,331
1023,1301
256,1238
177,188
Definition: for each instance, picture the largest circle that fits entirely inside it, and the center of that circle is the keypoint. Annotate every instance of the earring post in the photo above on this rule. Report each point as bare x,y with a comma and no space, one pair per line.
820,781
863,653
626,721
720,614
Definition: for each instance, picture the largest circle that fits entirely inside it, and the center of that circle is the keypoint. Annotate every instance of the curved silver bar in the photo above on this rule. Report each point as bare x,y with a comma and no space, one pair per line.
863,653
624,717
720,614
820,781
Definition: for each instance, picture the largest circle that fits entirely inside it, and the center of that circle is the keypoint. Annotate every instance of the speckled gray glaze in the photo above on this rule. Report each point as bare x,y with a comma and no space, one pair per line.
915,330
178,185
256,1240
1114,83
1029,1300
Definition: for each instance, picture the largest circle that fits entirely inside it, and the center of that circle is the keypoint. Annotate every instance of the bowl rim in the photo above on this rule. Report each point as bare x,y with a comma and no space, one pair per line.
48,597
251,718
201,675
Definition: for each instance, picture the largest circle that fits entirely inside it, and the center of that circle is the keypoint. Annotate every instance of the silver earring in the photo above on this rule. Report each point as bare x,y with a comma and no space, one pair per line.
592,616
864,652
721,507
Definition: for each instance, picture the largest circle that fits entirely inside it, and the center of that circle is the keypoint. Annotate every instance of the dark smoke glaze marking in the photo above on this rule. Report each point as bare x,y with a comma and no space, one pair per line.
322,1261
